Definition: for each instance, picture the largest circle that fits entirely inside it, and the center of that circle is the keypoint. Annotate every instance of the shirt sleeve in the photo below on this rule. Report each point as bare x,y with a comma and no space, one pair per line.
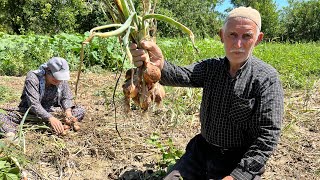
66,95
266,122
189,76
32,92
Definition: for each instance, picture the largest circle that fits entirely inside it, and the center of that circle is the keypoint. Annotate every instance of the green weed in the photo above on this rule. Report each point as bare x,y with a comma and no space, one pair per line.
8,170
170,154
11,161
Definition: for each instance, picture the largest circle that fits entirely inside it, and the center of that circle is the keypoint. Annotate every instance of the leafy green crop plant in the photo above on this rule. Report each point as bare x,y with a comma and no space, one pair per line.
170,154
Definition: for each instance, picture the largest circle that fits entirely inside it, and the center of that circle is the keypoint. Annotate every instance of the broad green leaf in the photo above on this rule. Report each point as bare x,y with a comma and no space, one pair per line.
4,165
11,176
14,170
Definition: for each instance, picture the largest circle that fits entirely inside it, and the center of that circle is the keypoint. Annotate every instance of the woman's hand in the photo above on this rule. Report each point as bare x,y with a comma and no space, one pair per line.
68,112
139,56
56,125
70,120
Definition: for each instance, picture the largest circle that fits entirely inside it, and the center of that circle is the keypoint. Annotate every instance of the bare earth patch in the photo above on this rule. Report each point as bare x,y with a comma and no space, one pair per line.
98,152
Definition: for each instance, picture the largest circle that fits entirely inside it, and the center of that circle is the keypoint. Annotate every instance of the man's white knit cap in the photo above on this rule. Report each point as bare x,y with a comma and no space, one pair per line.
245,12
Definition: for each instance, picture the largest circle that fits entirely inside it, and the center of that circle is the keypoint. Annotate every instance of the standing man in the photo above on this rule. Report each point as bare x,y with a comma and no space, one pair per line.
242,103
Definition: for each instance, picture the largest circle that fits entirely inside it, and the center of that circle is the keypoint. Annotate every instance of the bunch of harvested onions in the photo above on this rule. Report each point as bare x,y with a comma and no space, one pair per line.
141,83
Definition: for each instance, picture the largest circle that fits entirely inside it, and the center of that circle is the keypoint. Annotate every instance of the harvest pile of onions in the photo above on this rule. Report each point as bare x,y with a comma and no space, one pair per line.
70,123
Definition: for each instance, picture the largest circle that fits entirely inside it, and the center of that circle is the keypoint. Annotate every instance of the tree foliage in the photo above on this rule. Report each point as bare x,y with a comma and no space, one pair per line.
301,21
269,15
48,16
198,15
55,16
297,22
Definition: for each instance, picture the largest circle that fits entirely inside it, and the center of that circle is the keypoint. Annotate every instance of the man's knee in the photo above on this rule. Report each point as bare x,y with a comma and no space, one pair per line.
174,175
261,171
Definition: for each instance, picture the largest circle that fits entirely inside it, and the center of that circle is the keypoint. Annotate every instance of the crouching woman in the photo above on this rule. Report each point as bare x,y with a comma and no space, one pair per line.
46,91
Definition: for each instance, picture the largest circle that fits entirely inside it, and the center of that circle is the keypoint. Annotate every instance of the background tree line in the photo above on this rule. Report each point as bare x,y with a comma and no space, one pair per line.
296,22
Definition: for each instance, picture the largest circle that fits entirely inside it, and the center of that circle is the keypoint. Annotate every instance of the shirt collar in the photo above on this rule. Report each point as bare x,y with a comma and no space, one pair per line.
242,69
